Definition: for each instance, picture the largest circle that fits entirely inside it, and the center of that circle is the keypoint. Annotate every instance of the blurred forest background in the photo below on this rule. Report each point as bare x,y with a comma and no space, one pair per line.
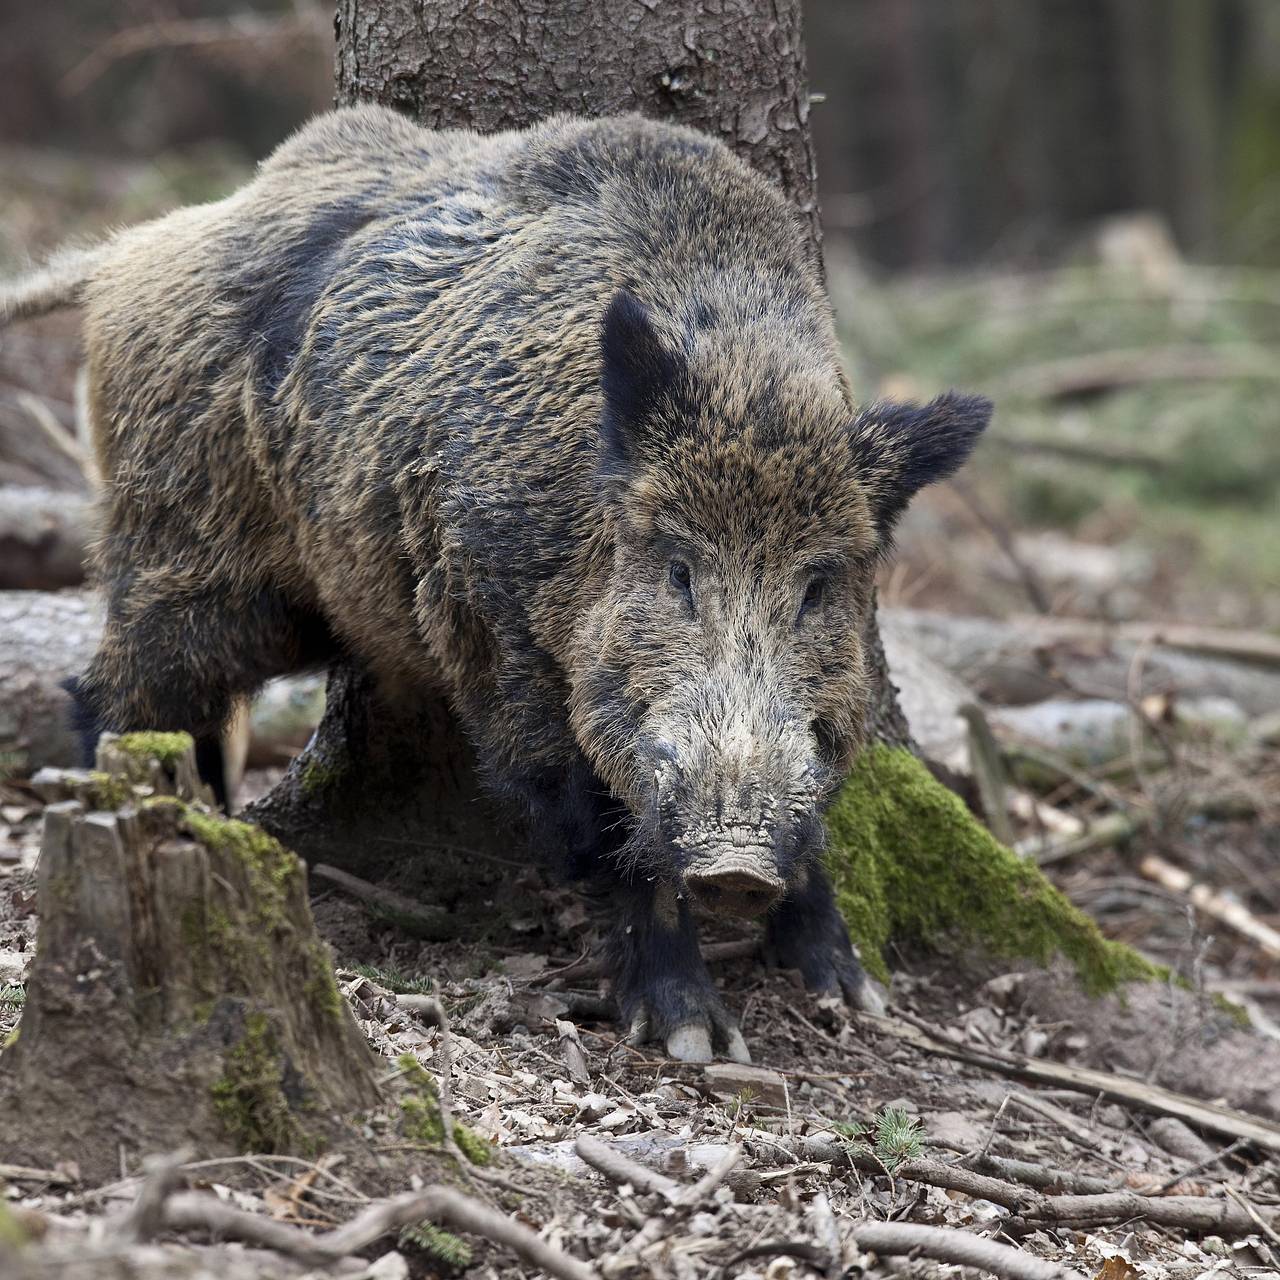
1071,204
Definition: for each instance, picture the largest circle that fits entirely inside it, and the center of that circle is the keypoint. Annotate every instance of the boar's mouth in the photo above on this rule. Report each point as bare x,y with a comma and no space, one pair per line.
737,881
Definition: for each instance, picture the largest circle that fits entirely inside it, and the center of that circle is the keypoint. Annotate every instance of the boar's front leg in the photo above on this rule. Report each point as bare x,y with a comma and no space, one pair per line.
807,932
660,981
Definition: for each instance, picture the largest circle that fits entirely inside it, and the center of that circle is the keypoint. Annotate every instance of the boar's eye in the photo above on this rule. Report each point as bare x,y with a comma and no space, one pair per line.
813,594
681,578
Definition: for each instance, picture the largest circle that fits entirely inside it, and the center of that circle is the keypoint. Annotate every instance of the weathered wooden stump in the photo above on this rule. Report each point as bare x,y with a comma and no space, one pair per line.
179,994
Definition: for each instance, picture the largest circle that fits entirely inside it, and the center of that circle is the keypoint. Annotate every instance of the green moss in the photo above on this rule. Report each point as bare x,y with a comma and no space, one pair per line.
420,1115
12,1038
910,862
249,1097
1238,1015
271,869
318,776
320,989
168,748
109,791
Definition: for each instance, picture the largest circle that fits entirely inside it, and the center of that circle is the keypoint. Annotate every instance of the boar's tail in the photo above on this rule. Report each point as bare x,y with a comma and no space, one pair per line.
59,283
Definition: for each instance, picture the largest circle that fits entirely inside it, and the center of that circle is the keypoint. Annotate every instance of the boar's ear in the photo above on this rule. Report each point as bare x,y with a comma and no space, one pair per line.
900,448
637,371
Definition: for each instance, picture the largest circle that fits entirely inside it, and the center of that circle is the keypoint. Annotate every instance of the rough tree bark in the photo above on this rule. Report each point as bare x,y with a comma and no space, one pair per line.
737,71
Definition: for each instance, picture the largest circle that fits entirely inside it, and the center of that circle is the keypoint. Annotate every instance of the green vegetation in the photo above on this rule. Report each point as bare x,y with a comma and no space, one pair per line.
395,981
420,1114
909,862
443,1247
249,1097
892,1138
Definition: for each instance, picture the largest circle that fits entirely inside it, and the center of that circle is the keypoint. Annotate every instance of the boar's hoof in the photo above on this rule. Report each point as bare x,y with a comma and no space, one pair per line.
735,886
692,1041
871,997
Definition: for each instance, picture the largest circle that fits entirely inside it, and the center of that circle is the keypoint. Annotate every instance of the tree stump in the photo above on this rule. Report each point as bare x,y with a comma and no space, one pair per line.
179,994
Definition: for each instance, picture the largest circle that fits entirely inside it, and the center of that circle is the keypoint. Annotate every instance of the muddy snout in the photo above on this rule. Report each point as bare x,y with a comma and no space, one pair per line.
737,882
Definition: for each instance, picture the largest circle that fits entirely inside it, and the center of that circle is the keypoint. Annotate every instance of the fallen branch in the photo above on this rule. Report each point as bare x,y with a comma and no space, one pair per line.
194,1211
23,1173
1211,903
422,919
1113,370
622,1169
1150,1097
1185,1213
945,1244
1029,658
1044,1177
43,536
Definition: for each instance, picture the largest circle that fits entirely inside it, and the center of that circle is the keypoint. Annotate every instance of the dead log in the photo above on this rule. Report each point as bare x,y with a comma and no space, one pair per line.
43,535
44,638
1029,659
179,993
47,636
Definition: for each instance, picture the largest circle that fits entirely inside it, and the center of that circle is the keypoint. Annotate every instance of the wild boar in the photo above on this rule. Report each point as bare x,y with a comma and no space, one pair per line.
554,419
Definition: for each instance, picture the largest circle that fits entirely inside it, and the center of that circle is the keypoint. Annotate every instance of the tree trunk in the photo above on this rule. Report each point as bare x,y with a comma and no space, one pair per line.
377,783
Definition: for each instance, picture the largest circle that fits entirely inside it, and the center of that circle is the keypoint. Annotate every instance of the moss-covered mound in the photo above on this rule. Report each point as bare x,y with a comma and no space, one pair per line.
911,863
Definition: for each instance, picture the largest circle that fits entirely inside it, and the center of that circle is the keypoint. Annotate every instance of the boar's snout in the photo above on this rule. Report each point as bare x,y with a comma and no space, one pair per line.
739,883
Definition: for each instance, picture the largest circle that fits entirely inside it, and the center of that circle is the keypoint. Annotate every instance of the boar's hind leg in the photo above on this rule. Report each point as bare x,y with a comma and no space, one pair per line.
660,981
178,662
807,932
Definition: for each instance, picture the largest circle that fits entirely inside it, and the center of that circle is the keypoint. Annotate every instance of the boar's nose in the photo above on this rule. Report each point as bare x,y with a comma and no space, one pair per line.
739,883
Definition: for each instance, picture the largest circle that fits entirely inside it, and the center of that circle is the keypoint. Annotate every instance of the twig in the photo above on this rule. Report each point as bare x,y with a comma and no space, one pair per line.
1056,1115
945,1244
1187,1213
1211,903
187,33
1112,829
145,1218
620,1168
24,1173
988,770
1003,538
1199,1167
430,1010
192,1211
1045,1177
1093,451
1117,1088
705,1187
819,1259
1265,1227
1111,370
595,967
426,920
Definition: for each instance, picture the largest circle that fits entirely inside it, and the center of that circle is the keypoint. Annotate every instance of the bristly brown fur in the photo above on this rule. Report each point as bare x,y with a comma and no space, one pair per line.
450,404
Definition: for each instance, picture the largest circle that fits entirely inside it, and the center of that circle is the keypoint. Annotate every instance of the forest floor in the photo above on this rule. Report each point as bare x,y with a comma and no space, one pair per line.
1111,492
